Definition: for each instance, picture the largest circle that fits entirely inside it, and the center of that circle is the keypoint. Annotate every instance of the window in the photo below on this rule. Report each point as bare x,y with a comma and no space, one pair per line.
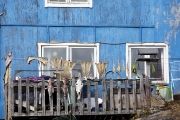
70,51
68,3
145,63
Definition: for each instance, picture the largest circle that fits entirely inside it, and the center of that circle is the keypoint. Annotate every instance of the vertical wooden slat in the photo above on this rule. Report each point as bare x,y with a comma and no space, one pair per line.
43,98
35,99
96,98
111,97
27,96
89,97
134,97
119,97
73,96
19,97
12,98
51,104
104,95
66,104
142,91
5,100
127,96
58,98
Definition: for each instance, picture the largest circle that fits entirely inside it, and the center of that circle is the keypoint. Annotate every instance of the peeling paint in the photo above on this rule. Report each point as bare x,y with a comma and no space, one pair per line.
174,22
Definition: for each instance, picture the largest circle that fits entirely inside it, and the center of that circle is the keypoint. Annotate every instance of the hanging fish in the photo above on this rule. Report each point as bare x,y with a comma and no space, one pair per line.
153,69
134,68
30,58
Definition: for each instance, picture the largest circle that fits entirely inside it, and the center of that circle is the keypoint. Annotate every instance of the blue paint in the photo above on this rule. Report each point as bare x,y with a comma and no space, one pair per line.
112,24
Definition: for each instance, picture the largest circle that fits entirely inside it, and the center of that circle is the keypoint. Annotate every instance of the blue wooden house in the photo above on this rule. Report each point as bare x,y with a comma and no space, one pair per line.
114,32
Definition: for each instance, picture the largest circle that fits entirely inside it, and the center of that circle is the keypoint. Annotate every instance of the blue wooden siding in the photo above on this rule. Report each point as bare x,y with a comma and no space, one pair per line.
25,23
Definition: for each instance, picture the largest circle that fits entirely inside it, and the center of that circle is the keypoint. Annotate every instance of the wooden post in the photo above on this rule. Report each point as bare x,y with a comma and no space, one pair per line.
89,97
134,96
104,95
73,96
35,99
127,96
27,96
96,98
19,97
119,97
43,98
111,97
58,97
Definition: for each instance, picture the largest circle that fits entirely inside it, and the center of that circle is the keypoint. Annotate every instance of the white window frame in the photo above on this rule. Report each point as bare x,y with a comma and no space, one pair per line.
68,47
68,3
149,45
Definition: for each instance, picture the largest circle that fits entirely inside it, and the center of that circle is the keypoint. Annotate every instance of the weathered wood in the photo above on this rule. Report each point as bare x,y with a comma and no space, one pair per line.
119,97
142,91
127,96
111,97
35,99
19,97
134,96
12,97
96,98
58,98
27,96
89,97
43,98
66,104
51,104
104,95
73,96
5,100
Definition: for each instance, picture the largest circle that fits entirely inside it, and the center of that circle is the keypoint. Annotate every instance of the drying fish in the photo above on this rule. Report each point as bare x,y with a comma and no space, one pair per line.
30,58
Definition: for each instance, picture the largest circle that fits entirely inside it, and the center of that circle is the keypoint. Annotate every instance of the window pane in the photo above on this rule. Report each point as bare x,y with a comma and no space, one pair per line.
53,53
158,65
139,64
79,0
82,55
57,0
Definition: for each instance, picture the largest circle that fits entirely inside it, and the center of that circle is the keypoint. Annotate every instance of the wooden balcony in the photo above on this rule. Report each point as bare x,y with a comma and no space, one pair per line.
119,96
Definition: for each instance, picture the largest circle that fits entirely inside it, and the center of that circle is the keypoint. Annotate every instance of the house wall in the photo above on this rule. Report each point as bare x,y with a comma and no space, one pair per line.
25,23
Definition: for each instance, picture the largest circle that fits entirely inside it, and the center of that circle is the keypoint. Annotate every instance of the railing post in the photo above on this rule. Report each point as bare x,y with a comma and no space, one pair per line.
27,96
119,97
111,97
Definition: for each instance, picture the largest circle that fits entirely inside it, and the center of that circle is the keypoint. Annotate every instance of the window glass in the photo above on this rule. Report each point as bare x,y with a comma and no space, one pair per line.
53,53
57,0
79,0
82,55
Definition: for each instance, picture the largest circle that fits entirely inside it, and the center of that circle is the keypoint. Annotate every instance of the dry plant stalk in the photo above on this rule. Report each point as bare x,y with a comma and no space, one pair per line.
101,66
86,66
